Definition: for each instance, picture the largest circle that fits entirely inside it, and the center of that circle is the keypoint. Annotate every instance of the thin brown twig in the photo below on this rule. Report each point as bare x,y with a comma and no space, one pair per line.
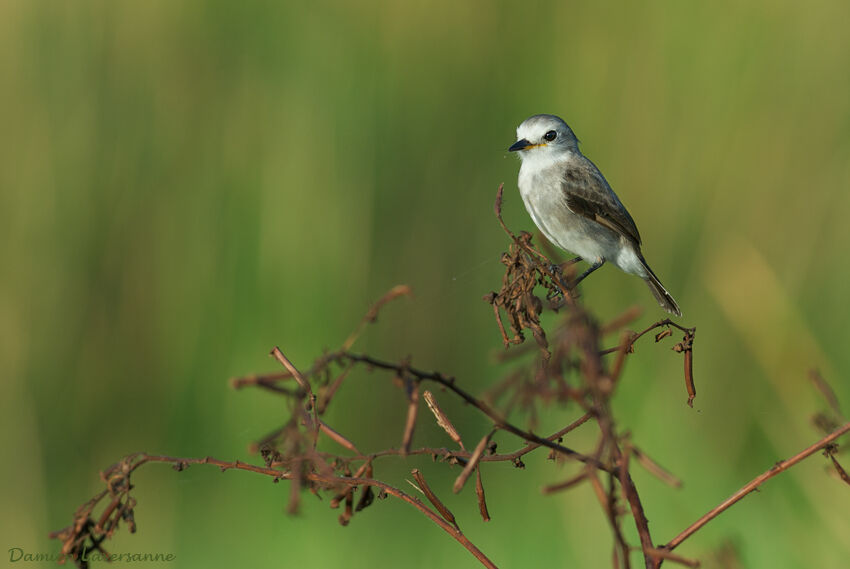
609,506
753,485
290,367
654,468
426,490
473,462
567,484
842,474
327,394
825,390
482,500
372,314
337,437
442,419
412,412
143,458
637,336
265,381
685,347
641,523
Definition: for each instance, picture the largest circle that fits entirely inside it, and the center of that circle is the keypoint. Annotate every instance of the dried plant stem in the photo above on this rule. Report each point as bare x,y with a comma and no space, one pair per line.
426,489
642,524
372,315
181,463
608,506
777,468
494,416
569,370
663,554
447,454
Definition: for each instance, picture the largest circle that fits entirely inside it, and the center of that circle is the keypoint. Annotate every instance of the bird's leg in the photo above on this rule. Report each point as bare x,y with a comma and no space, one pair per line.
558,268
566,264
590,269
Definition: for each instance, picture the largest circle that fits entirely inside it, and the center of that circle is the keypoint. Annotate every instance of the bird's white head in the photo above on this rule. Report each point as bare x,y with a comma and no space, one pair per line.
544,136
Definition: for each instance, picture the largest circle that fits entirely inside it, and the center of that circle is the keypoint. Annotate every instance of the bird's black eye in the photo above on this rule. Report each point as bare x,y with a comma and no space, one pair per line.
550,136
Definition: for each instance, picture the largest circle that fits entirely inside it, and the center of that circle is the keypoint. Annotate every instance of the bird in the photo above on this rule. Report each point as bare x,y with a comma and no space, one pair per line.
573,205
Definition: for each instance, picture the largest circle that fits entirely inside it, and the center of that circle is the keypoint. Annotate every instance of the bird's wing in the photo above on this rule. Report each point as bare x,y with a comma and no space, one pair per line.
588,194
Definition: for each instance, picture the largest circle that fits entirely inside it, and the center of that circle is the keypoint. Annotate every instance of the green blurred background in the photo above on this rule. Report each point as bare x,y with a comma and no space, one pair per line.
184,185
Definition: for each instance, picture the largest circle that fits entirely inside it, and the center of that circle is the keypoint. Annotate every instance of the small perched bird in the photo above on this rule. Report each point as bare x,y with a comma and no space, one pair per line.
573,205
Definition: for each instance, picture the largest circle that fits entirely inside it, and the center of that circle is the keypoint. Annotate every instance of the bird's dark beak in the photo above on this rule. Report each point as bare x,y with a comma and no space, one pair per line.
520,144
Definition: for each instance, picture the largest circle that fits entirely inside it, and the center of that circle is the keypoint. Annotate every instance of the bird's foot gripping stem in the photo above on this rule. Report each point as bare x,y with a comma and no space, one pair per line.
589,270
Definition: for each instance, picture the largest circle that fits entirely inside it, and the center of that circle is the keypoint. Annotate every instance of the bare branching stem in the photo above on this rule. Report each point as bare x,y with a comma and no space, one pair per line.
566,369
479,404
137,460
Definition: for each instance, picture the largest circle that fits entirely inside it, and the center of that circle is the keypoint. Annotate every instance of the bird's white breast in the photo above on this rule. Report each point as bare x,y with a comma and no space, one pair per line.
541,187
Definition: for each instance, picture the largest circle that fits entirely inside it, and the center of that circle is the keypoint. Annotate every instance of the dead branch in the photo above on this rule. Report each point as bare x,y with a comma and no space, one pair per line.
565,367
754,484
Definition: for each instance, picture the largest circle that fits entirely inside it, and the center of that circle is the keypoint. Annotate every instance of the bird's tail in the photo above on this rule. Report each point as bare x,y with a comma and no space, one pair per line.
659,292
